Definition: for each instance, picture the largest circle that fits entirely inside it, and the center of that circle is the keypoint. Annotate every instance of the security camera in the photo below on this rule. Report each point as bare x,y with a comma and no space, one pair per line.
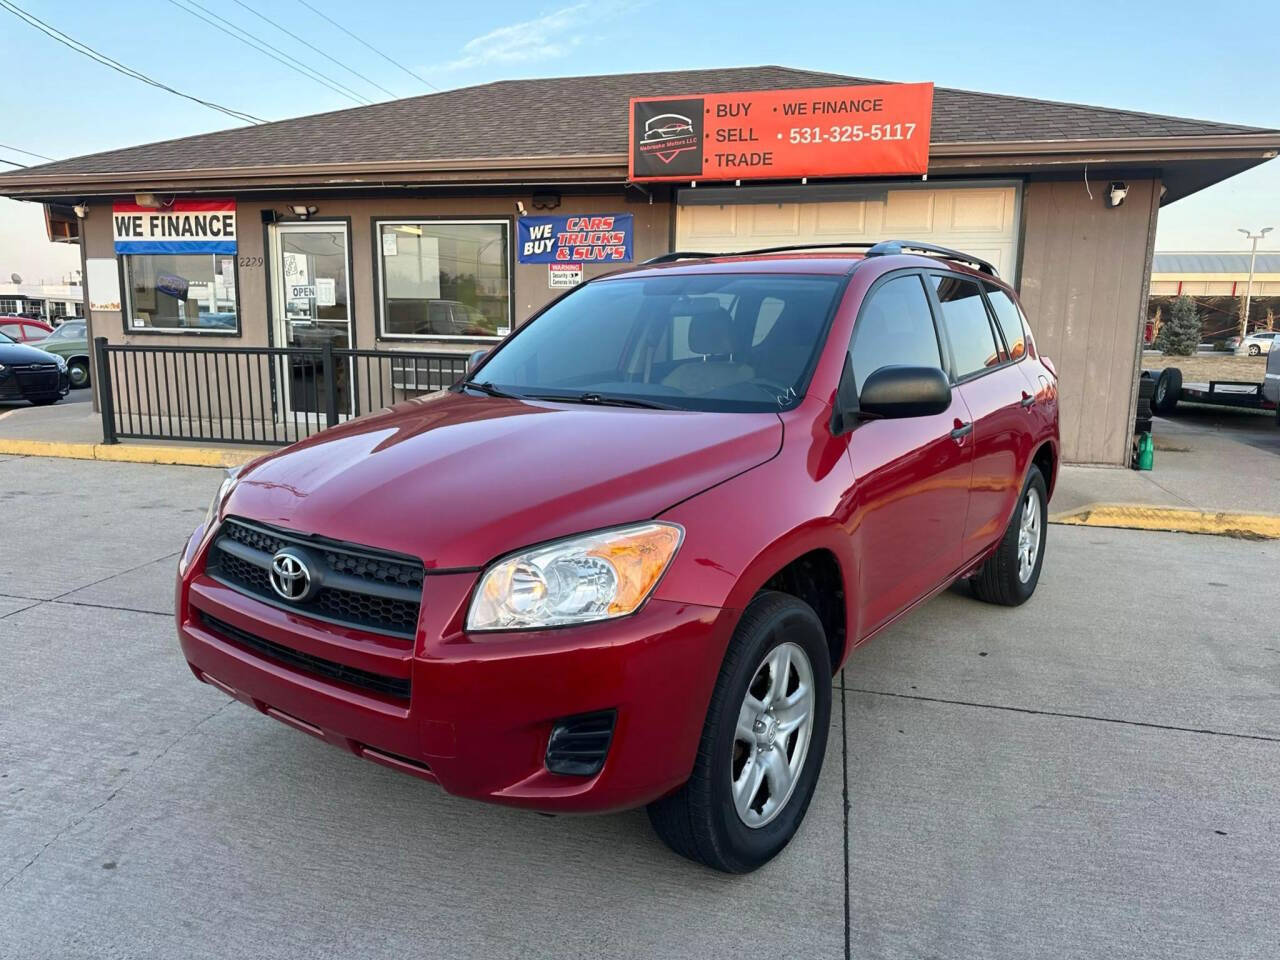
81,209
1116,193
520,207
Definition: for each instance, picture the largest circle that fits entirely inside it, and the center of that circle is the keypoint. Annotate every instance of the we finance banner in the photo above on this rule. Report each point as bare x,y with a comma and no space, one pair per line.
186,226
868,130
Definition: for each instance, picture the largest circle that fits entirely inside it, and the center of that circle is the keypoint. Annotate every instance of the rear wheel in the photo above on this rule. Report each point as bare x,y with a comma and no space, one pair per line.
1254,350
762,742
1010,575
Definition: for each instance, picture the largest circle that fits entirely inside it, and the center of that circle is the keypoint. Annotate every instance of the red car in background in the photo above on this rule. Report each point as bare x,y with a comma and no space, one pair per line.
24,329
621,563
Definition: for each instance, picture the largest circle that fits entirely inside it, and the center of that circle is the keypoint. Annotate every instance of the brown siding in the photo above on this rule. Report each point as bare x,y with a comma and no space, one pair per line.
1083,284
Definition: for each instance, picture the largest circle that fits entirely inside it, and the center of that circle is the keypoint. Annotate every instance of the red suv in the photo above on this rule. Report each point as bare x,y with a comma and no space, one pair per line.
621,564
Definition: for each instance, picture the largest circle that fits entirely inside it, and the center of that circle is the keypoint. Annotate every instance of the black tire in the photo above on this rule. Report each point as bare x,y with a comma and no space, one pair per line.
1255,350
1142,426
700,821
1168,389
1144,409
78,373
1146,388
43,401
998,580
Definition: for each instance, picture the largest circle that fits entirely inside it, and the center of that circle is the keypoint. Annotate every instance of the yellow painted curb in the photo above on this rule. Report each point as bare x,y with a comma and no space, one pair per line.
126,453
1247,526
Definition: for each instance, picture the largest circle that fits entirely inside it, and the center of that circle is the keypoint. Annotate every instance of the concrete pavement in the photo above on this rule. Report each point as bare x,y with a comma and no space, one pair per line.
1092,774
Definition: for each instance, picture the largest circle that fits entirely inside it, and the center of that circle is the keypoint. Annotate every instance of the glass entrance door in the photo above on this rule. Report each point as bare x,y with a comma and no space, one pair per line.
312,293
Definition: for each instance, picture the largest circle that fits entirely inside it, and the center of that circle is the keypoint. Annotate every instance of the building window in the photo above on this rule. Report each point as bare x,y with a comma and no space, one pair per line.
8,306
181,293
57,309
441,278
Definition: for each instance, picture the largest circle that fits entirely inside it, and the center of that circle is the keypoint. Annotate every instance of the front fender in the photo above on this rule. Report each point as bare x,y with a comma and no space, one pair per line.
742,532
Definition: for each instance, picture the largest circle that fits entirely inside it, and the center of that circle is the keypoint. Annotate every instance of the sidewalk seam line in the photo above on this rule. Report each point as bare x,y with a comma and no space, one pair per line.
1065,715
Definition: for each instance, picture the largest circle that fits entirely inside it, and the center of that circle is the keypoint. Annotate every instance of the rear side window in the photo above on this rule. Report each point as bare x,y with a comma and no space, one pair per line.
964,316
1010,319
895,327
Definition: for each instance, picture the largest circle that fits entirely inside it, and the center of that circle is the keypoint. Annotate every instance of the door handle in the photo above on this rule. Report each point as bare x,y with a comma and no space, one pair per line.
961,431
1028,401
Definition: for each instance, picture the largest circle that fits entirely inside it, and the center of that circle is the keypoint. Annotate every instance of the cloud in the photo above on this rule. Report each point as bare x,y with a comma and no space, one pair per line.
547,37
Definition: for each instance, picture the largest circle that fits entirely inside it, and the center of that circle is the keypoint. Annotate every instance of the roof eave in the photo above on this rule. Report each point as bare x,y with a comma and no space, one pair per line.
612,167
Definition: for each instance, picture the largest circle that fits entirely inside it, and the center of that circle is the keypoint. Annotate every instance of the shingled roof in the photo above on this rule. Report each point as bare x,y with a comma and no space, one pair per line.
565,117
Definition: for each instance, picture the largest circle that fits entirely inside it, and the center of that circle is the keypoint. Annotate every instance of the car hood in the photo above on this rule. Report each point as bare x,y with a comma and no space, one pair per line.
22,353
459,480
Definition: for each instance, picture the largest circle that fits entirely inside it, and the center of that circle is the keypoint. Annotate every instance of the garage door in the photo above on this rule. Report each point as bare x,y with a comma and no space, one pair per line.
982,221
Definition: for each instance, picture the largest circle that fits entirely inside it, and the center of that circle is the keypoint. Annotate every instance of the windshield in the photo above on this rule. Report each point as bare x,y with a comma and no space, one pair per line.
71,330
692,341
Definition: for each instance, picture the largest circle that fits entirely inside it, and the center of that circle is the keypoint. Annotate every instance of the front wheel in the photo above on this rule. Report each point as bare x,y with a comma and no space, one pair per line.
762,742
1255,350
1010,575
78,373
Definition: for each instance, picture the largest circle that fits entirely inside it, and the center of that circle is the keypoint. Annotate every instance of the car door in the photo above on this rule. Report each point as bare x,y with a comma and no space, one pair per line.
999,400
911,476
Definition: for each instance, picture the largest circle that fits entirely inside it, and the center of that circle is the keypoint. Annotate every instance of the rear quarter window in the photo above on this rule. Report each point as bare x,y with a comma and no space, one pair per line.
1010,319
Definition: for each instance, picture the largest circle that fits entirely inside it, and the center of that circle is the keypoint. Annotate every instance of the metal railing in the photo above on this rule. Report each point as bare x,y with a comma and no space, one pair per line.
252,395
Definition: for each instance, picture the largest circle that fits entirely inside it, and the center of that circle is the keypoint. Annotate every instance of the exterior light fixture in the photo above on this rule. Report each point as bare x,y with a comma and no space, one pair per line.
1116,193
302,211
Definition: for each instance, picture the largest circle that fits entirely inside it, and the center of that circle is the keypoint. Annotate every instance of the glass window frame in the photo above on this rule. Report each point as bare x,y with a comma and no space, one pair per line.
508,227
944,345
941,324
126,305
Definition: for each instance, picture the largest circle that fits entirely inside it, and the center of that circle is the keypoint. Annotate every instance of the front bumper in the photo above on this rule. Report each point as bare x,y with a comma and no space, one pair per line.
478,712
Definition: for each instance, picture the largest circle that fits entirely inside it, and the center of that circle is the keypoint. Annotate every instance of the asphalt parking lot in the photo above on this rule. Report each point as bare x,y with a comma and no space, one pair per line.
1095,774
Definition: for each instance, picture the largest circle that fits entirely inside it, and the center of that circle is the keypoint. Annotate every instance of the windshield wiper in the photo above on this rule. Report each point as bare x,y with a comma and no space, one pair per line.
607,400
489,389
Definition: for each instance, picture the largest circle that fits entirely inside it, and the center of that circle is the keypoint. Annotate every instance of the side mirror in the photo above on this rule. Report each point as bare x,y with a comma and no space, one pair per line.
473,361
894,392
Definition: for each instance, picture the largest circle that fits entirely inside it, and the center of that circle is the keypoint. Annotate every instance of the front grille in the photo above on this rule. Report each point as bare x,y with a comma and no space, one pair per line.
358,587
37,378
377,683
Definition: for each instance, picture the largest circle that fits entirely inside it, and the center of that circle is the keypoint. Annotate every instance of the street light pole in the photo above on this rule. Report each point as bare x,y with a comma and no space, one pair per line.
1248,287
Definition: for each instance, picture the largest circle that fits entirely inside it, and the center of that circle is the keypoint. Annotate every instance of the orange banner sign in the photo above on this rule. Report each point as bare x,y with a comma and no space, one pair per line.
869,130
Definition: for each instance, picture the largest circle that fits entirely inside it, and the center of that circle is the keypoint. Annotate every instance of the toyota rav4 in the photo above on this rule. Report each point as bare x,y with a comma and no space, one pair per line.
620,564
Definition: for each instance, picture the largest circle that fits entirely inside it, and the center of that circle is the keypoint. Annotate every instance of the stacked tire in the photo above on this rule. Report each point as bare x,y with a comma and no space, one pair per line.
1146,391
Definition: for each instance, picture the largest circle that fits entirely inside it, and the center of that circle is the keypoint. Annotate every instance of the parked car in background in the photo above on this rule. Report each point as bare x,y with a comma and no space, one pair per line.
30,374
1257,343
70,341
669,507
24,329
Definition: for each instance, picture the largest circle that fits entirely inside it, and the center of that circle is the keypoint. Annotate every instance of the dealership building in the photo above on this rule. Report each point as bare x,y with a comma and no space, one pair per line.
440,223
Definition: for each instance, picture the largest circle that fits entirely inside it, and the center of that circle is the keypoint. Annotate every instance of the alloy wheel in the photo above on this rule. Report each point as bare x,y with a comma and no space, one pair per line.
1029,535
771,741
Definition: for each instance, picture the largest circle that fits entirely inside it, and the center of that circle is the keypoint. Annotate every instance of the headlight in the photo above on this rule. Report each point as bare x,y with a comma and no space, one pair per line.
224,490
597,576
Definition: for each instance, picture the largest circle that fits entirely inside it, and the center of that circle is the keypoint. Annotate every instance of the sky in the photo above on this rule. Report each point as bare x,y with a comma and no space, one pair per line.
1169,57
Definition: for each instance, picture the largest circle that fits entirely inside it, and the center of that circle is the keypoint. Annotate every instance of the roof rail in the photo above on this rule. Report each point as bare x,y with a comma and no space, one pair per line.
892,247
691,255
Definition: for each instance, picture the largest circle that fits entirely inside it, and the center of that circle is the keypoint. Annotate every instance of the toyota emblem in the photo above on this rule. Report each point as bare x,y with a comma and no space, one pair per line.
290,576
